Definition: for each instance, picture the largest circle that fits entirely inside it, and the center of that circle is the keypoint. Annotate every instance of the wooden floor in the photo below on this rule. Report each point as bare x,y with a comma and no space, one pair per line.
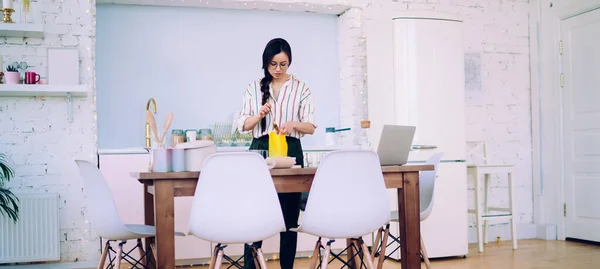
532,254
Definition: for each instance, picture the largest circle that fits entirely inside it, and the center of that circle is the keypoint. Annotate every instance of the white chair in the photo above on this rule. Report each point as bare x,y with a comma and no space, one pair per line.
106,222
481,173
426,198
346,175
222,211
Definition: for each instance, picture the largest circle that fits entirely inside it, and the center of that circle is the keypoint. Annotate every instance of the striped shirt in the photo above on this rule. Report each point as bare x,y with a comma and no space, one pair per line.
293,103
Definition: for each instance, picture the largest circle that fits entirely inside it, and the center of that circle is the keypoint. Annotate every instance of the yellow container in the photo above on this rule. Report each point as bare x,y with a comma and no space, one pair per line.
277,145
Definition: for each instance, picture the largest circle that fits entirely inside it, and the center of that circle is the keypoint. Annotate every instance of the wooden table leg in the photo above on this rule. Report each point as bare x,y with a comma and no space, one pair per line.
149,220
410,222
165,228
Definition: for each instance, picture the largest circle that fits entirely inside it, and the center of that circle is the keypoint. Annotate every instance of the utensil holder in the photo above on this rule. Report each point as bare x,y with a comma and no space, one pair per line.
178,160
161,159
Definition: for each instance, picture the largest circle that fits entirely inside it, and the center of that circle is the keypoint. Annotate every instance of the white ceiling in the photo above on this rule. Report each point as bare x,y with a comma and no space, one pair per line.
332,7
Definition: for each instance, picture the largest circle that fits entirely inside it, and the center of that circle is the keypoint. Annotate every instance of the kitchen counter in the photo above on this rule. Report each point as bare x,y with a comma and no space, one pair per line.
139,150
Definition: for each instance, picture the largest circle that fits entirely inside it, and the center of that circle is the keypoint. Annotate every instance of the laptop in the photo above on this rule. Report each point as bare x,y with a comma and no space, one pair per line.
394,144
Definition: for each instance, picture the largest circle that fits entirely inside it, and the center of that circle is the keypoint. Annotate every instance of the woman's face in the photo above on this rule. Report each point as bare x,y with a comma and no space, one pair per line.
279,65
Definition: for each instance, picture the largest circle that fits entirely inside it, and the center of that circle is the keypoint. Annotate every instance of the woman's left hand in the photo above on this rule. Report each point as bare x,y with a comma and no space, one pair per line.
287,127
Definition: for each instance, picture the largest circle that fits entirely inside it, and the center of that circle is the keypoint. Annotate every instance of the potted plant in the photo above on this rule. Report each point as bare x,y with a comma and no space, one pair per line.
12,75
8,200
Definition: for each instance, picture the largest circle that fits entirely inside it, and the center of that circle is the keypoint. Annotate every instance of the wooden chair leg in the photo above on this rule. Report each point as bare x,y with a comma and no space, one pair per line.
315,256
424,252
376,243
103,255
213,259
325,259
119,256
219,259
384,243
261,259
153,248
367,256
141,252
359,254
255,259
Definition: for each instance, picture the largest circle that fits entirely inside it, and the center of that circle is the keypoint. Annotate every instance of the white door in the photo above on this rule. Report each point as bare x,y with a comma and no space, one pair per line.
581,107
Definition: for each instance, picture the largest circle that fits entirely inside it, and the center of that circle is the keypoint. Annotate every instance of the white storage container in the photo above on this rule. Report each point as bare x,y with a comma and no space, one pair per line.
196,152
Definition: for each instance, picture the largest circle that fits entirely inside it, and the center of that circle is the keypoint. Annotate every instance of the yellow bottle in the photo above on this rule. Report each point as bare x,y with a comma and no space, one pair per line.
277,145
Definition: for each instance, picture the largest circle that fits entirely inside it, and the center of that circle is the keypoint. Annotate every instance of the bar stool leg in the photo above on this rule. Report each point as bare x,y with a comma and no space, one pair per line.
478,211
511,192
486,191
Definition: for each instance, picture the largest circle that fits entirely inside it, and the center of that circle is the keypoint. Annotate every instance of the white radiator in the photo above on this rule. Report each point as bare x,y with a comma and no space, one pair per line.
35,237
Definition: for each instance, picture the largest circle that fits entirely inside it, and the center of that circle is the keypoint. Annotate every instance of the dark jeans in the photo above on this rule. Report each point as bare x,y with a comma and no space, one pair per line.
290,205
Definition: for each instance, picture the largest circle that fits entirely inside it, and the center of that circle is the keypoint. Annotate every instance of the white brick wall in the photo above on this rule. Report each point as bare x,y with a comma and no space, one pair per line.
35,132
501,113
42,143
353,79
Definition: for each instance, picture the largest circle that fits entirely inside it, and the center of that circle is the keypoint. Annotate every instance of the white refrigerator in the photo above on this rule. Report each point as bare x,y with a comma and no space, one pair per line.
429,93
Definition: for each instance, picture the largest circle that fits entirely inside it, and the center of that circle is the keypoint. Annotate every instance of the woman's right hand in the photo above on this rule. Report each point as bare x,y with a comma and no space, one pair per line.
264,110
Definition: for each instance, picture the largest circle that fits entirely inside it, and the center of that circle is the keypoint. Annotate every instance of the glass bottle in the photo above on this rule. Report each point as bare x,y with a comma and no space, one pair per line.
177,137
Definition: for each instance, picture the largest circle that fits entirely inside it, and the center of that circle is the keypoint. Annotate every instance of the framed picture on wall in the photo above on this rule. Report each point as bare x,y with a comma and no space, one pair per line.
63,66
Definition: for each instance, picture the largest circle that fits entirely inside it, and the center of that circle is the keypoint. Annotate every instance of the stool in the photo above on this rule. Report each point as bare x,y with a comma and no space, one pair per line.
481,173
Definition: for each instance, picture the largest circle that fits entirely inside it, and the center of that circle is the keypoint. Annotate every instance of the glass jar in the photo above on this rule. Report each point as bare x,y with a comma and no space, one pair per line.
177,137
205,134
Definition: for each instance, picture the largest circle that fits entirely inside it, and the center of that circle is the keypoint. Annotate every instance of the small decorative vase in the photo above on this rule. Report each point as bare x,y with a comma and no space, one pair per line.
12,77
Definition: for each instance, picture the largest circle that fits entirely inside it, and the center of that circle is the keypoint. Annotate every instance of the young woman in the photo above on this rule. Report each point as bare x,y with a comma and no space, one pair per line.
284,99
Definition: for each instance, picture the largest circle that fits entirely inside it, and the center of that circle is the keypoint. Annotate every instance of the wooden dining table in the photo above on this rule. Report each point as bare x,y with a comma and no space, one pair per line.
161,188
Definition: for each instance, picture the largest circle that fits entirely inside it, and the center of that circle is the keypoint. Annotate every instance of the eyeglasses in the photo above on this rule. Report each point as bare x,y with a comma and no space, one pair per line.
282,65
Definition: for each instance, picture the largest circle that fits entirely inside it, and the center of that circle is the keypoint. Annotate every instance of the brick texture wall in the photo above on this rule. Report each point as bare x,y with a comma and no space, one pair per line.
497,89
41,143
34,131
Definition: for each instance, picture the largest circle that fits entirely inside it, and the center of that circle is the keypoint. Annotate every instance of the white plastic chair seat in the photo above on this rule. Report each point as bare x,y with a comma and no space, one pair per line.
426,198
241,235
103,213
333,233
335,180
135,231
235,200
426,188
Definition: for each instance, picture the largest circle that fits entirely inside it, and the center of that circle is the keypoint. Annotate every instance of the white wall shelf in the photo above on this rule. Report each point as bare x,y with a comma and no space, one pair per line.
30,90
46,90
21,30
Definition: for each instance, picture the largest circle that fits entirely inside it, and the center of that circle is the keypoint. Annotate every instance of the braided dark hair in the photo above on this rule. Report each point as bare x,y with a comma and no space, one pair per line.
274,47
